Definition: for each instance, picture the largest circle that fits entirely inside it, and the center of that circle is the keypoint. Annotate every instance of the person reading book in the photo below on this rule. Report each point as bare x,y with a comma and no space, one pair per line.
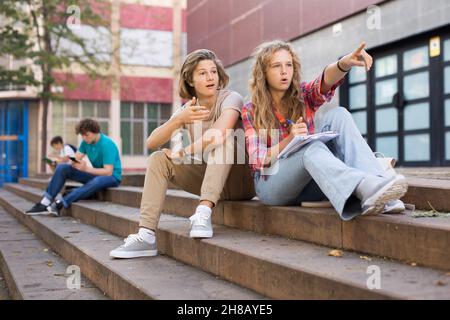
344,170
105,172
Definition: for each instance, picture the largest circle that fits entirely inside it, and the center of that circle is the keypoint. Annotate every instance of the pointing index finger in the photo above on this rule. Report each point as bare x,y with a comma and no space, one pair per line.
361,47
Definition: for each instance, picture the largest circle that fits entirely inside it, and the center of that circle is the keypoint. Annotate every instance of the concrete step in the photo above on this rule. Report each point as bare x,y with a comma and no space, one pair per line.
42,183
148,278
128,178
440,173
133,180
34,272
4,293
273,266
427,194
424,193
424,241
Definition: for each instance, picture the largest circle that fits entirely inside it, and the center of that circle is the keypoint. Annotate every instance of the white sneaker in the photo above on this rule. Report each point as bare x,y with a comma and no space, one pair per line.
201,226
394,189
394,206
134,247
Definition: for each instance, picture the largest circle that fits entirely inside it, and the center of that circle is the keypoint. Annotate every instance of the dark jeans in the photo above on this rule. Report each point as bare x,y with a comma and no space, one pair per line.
92,184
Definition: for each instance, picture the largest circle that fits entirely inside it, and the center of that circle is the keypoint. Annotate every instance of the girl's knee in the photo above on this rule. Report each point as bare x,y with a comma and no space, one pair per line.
338,112
271,197
314,145
273,201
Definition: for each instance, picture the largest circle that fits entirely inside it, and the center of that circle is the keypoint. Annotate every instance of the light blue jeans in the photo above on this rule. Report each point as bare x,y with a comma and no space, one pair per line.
319,171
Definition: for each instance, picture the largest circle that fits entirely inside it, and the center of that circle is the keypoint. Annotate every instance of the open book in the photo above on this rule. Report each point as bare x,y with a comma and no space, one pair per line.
298,142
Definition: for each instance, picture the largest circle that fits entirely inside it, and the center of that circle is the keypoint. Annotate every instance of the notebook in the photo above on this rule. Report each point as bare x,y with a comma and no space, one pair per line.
300,141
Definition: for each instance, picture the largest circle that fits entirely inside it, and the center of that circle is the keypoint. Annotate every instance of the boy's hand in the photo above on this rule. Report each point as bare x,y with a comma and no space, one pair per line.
193,113
173,155
79,166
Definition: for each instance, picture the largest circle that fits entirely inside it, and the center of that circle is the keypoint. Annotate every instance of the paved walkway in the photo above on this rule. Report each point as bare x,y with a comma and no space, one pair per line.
3,288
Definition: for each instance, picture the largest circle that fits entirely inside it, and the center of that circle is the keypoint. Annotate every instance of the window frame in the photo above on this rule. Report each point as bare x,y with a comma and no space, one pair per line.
131,120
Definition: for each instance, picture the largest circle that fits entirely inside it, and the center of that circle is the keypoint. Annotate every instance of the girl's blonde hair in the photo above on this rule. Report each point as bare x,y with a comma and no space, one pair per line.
185,89
264,117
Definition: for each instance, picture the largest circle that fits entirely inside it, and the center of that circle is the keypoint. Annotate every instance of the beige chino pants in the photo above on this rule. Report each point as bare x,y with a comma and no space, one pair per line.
210,181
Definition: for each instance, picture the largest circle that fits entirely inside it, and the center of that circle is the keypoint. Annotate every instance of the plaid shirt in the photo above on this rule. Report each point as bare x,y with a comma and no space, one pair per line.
313,99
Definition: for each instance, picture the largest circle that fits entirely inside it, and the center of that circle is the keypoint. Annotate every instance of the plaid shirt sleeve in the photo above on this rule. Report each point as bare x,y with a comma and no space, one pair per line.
257,150
311,92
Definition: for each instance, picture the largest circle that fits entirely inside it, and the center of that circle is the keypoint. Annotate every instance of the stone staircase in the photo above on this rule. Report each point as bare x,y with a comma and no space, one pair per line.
257,252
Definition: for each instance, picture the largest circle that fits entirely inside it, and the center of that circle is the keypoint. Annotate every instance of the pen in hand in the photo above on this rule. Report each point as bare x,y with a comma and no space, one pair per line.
299,128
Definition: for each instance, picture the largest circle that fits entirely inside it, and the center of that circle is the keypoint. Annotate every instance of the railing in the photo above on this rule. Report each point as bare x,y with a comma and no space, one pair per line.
11,87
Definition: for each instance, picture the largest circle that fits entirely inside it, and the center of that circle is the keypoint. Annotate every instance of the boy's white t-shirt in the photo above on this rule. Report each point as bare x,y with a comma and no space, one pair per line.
67,151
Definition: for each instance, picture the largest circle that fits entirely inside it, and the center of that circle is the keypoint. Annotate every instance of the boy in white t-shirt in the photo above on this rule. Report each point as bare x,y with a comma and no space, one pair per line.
65,150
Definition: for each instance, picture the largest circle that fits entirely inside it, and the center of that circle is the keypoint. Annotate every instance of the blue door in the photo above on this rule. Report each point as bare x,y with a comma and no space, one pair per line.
13,140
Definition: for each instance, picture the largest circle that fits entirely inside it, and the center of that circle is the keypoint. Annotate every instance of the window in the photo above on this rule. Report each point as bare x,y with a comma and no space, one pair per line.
386,66
398,106
137,121
66,115
415,58
9,63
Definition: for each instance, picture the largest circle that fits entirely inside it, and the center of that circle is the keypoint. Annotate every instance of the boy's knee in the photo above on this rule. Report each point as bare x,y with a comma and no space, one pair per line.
157,157
63,167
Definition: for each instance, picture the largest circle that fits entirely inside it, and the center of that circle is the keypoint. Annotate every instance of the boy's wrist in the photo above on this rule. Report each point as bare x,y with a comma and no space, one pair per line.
178,121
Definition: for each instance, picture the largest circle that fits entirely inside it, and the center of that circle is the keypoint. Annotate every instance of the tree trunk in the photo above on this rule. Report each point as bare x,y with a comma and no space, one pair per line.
45,103
47,83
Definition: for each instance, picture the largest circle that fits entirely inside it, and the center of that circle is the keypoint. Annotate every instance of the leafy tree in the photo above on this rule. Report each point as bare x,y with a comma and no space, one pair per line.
49,36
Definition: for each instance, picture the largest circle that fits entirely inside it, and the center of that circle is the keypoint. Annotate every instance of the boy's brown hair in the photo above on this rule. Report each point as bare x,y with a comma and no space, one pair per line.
87,125
187,91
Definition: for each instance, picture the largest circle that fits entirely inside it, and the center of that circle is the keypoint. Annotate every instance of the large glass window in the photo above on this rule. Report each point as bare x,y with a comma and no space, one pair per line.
402,105
66,115
137,121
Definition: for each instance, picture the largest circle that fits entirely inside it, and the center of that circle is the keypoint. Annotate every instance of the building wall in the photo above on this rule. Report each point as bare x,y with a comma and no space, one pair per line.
144,68
407,128
236,27
399,19
148,40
